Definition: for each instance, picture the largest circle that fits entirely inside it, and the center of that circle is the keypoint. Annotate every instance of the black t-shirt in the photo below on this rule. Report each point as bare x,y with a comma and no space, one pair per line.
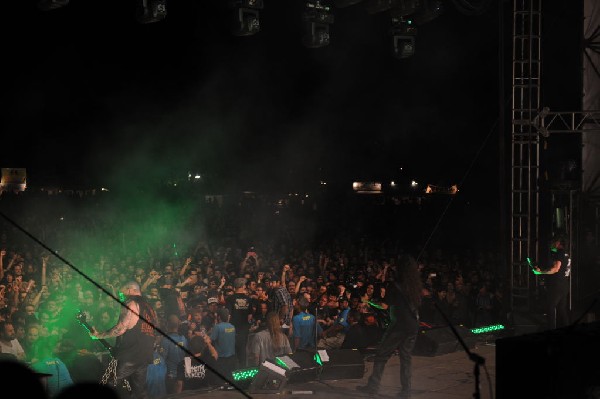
562,276
198,373
137,344
357,337
240,307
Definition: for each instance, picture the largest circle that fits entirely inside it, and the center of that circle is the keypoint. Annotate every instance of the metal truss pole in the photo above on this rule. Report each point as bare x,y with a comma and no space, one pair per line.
525,151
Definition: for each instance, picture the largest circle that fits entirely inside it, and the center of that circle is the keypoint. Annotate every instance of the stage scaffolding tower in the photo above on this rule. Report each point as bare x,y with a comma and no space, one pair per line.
525,151
530,122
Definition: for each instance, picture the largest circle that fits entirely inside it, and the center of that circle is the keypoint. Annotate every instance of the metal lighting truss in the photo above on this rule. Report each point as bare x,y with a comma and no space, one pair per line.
530,122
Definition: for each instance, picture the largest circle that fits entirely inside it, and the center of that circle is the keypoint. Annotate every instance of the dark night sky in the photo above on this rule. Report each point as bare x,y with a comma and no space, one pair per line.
89,94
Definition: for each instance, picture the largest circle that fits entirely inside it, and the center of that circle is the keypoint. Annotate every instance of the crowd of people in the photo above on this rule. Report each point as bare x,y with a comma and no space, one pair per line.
230,302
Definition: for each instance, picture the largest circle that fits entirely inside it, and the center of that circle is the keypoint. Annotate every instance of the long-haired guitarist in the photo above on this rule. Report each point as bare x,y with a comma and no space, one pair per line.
135,339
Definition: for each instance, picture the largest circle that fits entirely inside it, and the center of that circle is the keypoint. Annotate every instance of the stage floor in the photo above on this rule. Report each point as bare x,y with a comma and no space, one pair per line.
445,376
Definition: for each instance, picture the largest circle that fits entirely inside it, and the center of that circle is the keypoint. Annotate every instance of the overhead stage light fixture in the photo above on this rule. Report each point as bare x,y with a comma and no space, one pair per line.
403,34
149,11
47,5
316,17
246,17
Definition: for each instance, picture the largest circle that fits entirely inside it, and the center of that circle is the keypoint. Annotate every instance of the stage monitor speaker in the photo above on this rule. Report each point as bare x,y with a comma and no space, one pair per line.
555,364
441,340
269,379
308,369
342,364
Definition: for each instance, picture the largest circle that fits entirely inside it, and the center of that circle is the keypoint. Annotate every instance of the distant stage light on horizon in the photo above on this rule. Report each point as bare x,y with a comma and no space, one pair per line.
433,189
367,187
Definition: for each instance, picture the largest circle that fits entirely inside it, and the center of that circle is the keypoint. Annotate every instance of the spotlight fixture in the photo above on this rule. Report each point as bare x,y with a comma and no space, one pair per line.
317,18
246,19
377,6
47,5
346,3
149,11
403,34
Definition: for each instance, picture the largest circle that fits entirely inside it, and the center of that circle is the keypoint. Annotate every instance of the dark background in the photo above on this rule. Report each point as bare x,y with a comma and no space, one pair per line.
91,97
90,92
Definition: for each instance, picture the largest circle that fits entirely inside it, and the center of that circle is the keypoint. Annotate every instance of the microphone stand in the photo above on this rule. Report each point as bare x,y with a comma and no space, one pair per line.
478,360
317,340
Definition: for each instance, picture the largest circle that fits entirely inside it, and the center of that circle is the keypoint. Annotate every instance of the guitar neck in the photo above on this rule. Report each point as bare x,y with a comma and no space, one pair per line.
101,340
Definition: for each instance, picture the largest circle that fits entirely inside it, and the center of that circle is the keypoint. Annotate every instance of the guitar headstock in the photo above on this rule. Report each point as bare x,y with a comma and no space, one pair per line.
81,317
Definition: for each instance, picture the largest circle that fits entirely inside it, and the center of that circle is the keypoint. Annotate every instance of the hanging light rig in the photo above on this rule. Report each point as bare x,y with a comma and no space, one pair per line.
402,33
316,20
246,17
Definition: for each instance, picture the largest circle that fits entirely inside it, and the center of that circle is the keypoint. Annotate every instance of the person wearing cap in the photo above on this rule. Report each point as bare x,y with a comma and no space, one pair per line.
213,300
333,337
223,337
210,317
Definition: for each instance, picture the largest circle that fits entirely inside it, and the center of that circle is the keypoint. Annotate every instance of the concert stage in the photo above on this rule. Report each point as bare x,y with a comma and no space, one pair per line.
444,376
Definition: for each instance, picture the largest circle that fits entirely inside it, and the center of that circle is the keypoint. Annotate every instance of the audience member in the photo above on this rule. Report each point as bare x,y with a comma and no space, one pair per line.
199,370
268,342
171,349
239,305
305,327
8,341
223,338
344,271
333,337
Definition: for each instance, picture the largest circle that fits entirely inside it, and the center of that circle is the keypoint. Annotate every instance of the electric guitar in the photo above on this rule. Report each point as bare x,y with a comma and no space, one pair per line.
82,319
532,266
112,367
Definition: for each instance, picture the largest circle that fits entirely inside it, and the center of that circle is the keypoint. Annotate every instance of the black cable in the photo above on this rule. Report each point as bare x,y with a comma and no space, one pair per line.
82,274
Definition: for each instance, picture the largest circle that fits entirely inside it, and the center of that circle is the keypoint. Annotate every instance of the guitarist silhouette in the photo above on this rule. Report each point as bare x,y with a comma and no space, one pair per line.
135,339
